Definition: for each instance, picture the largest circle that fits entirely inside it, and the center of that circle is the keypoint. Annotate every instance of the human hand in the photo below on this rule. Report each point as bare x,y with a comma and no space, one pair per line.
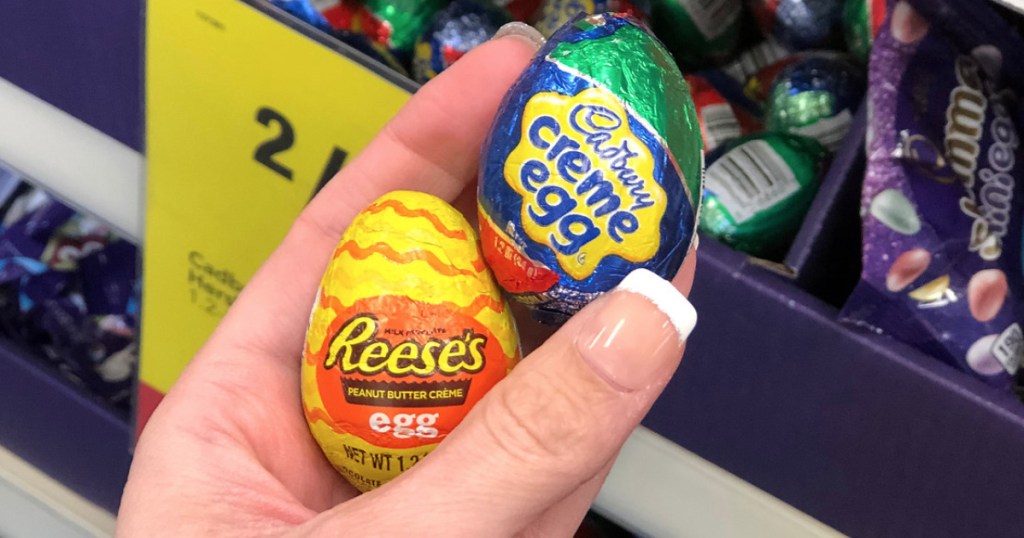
228,451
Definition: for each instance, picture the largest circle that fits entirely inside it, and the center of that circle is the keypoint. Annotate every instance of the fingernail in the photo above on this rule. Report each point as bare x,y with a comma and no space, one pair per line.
523,31
637,336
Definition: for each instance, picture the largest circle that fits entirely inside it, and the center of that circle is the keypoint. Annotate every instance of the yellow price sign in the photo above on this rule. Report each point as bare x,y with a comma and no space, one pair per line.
246,118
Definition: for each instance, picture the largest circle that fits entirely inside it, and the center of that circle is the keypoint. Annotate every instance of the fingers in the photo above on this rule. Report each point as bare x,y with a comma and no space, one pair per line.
532,334
432,145
564,518
550,427
683,280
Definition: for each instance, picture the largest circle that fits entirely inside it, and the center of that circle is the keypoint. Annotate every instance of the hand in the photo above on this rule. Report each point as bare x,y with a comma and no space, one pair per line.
228,451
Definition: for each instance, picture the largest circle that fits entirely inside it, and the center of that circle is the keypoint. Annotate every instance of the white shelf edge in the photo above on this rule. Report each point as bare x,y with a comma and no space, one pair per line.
1012,4
41,506
656,488
73,160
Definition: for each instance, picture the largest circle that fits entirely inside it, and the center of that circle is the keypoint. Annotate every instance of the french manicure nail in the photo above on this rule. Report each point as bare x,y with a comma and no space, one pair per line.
637,336
522,31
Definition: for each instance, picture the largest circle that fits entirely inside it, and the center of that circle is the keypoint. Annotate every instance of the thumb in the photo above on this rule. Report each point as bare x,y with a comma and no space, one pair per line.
552,425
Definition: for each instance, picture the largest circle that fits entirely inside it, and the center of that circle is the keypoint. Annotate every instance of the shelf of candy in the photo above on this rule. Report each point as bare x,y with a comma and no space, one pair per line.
777,84
775,89
860,174
68,292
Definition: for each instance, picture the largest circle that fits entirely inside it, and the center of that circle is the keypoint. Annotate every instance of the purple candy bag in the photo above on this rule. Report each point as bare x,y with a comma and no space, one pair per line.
942,200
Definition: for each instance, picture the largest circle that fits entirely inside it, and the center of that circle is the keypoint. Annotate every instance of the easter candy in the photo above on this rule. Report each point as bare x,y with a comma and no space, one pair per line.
592,168
986,293
815,96
756,58
407,333
304,10
981,358
552,14
799,24
327,15
521,10
945,177
906,268
720,120
339,13
375,51
861,21
759,190
698,32
759,85
396,24
891,208
456,29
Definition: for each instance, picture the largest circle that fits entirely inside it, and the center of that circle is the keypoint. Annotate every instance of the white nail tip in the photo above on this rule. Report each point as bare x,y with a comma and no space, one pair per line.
665,297
522,30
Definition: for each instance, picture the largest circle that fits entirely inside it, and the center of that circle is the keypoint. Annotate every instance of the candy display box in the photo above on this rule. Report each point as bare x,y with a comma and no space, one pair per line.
867,435
862,433
824,258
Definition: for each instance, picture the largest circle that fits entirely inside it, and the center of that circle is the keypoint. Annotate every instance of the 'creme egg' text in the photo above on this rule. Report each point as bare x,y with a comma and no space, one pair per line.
587,181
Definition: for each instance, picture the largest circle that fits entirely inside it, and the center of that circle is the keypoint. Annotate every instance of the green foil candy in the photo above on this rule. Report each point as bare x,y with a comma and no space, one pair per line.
698,32
815,96
396,24
861,21
553,14
758,192
636,69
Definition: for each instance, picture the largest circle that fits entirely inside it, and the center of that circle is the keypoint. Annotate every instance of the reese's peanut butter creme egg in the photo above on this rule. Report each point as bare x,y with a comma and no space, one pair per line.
592,168
409,330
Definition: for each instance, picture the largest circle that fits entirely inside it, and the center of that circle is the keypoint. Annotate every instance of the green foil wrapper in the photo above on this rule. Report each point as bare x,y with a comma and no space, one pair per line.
397,23
699,33
861,21
758,192
815,96
635,68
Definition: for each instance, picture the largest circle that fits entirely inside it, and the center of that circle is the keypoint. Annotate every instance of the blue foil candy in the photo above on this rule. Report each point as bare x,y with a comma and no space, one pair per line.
592,168
456,30
799,24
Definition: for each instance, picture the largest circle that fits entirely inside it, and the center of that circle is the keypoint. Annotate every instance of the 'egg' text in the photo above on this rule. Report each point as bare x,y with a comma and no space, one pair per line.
555,204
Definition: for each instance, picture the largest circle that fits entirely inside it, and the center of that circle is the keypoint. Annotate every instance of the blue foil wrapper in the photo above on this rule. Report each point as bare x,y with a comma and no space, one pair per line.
800,24
816,96
456,30
304,10
592,168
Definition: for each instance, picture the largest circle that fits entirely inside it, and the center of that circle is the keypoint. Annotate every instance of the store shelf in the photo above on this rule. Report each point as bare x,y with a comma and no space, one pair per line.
865,434
57,428
657,488
84,61
777,408
72,159
33,504
1012,4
